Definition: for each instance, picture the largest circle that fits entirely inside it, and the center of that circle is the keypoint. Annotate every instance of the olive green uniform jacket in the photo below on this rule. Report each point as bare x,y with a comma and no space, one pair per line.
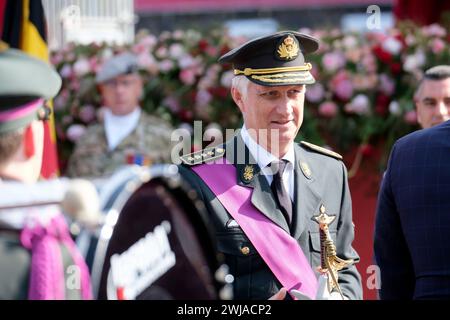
320,179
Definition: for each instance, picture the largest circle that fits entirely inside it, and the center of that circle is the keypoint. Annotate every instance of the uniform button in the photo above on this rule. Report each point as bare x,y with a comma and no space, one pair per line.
245,250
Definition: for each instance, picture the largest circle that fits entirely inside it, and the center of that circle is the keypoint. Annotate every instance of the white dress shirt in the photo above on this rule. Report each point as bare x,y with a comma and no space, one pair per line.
118,128
264,158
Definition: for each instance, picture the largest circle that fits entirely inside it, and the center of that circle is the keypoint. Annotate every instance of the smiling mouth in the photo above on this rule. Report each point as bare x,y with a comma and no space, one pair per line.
282,122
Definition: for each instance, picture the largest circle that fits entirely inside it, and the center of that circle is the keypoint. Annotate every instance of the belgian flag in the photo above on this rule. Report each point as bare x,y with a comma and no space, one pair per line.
23,26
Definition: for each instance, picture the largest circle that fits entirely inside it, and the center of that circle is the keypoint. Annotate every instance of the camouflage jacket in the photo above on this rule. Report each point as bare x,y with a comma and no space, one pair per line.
149,143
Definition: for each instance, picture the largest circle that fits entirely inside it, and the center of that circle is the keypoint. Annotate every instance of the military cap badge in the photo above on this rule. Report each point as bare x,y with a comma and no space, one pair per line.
288,49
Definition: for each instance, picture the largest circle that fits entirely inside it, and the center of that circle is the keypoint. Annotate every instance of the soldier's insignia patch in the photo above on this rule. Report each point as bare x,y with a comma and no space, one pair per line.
203,156
248,173
305,169
288,49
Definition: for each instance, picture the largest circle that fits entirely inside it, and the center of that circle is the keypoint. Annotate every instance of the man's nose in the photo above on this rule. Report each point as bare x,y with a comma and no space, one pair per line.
443,109
286,105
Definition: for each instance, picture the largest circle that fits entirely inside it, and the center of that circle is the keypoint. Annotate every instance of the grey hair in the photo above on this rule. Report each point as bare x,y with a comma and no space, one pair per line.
436,73
240,83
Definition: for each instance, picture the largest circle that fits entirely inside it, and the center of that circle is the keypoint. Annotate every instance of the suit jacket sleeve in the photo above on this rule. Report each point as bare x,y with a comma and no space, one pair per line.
391,252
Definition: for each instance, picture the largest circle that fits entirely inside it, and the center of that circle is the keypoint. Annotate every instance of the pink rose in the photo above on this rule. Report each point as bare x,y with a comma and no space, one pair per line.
359,105
187,127
344,89
67,119
434,30
203,98
342,85
148,62
94,64
75,131
410,40
414,61
410,117
187,76
392,45
226,79
148,41
315,93
56,58
81,67
187,61
161,52
178,34
387,85
176,50
328,109
166,65
394,108
172,103
212,51
437,45
66,71
333,61
87,113
75,84
139,48
59,103
205,82
369,62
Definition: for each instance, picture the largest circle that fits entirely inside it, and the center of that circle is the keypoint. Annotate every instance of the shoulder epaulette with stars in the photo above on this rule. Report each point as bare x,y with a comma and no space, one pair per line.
203,156
321,150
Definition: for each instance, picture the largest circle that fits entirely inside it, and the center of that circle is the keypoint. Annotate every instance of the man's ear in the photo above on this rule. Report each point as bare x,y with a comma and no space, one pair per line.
237,97
29,146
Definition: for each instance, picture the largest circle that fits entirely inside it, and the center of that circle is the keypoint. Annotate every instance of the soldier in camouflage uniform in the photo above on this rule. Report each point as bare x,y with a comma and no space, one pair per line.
126,135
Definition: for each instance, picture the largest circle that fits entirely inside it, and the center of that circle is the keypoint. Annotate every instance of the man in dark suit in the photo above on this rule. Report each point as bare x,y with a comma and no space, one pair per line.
279,186
412,226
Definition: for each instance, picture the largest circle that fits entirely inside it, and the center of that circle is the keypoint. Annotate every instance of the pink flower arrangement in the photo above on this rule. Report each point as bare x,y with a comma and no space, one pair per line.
364,81
315,92
328,109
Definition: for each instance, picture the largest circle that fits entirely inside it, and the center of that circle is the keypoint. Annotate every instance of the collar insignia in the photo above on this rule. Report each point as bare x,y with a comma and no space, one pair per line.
305,169
248,173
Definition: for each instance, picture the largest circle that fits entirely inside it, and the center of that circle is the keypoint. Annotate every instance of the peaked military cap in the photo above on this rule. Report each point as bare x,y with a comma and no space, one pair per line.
120,64
274,60
25,82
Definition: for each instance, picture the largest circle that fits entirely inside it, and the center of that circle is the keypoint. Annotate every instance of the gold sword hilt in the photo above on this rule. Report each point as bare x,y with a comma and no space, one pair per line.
330,263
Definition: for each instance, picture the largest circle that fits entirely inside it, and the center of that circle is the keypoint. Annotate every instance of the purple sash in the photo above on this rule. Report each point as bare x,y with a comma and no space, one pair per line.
278,249
47,280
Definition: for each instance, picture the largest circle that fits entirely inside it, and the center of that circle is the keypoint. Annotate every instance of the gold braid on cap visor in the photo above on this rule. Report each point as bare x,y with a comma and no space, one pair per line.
250,71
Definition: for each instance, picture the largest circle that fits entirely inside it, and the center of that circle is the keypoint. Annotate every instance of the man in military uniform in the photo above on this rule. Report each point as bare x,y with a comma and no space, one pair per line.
126,134
262,190
38,259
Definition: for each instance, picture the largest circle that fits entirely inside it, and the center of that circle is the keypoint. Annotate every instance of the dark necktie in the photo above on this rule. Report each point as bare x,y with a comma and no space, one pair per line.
281,194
